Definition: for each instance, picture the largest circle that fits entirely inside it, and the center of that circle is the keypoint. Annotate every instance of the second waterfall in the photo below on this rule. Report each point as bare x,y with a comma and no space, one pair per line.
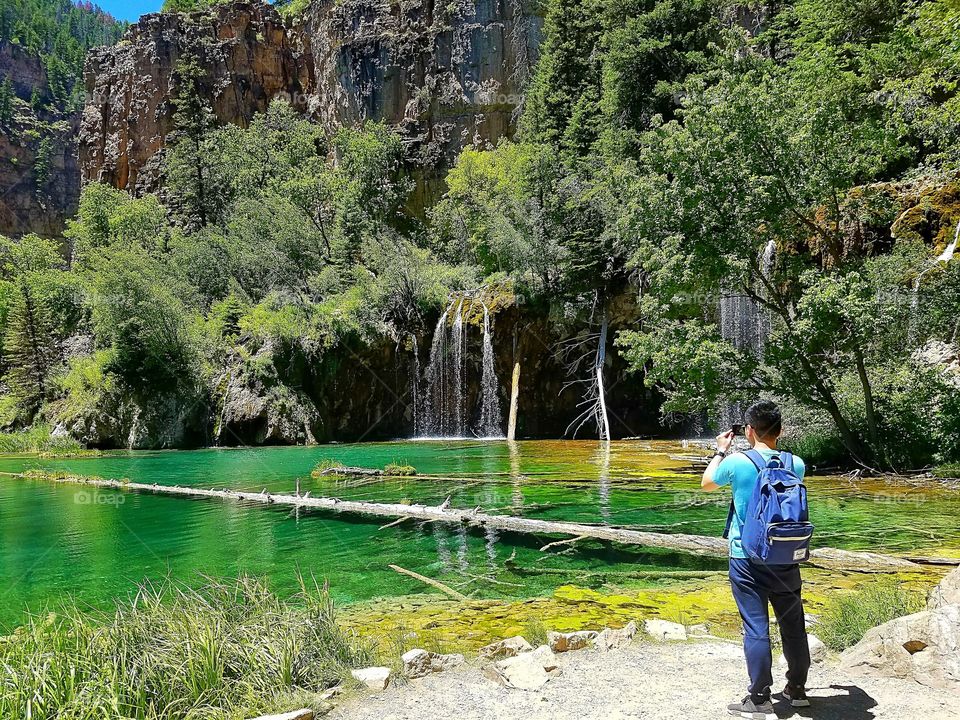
442,409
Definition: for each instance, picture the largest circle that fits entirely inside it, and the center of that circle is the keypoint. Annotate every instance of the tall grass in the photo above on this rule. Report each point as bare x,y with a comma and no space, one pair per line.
37,440
223,650
847,618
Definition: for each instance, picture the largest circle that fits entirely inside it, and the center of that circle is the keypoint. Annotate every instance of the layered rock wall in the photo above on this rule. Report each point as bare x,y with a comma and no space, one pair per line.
39,173
444,76
247,57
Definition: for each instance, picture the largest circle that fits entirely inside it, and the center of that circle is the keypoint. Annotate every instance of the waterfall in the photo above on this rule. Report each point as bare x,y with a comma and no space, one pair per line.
444,393
944,257
437,395
746,325
416,400
458,342
490,418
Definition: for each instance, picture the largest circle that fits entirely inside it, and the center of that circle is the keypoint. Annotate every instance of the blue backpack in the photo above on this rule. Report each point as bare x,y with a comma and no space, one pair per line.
776,529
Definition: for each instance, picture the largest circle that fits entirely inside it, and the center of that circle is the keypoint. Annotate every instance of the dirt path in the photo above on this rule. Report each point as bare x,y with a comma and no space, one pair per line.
691,681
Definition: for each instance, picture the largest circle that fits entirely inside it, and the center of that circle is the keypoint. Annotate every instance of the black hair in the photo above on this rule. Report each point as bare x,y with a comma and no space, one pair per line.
764,417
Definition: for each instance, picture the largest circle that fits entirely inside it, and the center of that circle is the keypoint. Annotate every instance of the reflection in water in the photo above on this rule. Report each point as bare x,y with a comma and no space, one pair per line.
463,556
602,459
492,537
516,479
443,546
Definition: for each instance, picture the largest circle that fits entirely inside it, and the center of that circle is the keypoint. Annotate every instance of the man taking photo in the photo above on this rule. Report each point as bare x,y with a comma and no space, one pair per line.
755,583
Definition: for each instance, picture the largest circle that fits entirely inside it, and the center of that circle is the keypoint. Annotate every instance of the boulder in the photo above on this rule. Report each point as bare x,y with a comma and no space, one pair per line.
608,639
565,642
418,663
522,672
545,656
510,647
947,592
375,678
924,646
818,651
664,630
305,714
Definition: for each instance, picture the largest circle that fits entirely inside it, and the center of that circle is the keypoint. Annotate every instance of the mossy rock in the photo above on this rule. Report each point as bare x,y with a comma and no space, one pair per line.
932,217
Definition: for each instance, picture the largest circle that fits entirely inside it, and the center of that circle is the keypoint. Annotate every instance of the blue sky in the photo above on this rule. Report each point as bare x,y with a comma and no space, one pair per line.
129,9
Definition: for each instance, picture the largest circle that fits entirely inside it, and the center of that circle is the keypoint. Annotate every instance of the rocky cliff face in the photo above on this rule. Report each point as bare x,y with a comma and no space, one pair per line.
445,76
39,174
249,58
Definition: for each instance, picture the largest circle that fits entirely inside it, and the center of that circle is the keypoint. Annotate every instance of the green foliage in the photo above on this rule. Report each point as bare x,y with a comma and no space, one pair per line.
37,439
6,101
41,164
60,32
399,470
224,649
193,179
949,471
39,306
847,617
139,313
326,464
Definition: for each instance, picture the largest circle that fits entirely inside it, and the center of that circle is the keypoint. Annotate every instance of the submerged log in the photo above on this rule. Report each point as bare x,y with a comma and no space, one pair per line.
695,544
350,472
429,581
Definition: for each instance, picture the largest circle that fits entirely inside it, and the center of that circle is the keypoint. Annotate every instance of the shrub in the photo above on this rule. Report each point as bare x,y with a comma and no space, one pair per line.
227,649
950,471
397,469
325,464
847,618
37,439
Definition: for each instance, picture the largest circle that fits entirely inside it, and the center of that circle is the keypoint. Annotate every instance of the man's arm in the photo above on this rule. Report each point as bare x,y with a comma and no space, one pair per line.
724,441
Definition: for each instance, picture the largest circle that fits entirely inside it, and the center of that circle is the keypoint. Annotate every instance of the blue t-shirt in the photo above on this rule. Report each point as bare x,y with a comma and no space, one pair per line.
737,471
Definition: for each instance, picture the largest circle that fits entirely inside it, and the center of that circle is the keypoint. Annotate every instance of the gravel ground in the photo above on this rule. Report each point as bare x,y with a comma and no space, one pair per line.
693,681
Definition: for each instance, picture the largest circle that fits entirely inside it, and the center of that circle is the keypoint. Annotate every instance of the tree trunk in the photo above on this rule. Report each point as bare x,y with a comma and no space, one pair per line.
695,544
514,400
601,399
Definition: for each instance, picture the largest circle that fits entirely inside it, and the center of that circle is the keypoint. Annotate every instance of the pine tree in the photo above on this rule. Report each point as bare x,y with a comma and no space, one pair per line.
29,348
6,101
192,180
30,334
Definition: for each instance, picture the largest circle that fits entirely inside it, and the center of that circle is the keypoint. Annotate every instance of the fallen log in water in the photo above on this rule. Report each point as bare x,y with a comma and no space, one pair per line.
696,544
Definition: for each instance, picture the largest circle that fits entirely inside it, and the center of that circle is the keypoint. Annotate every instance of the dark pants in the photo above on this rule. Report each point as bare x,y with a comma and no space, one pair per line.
753,586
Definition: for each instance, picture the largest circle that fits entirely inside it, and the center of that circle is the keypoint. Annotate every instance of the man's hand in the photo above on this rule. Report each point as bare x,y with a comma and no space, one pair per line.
724,441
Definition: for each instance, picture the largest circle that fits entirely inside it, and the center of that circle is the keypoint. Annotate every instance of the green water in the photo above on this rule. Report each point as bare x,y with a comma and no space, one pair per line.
60,540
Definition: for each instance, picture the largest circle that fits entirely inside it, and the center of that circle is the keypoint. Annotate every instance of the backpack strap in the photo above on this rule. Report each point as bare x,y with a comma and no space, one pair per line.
756,458
787,460
726,530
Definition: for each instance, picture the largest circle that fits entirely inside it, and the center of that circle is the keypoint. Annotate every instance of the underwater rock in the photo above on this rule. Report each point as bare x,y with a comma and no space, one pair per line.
510,647
608,639
924,646
375,678
565,642
663,630
947,592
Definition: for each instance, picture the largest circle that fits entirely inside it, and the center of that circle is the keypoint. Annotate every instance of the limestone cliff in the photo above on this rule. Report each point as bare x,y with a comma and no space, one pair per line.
445,76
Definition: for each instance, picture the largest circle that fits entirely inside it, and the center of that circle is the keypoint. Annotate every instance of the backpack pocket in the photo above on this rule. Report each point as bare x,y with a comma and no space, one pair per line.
787,543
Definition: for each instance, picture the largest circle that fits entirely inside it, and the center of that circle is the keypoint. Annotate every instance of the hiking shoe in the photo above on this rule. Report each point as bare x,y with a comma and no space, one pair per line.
753,711
797,696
